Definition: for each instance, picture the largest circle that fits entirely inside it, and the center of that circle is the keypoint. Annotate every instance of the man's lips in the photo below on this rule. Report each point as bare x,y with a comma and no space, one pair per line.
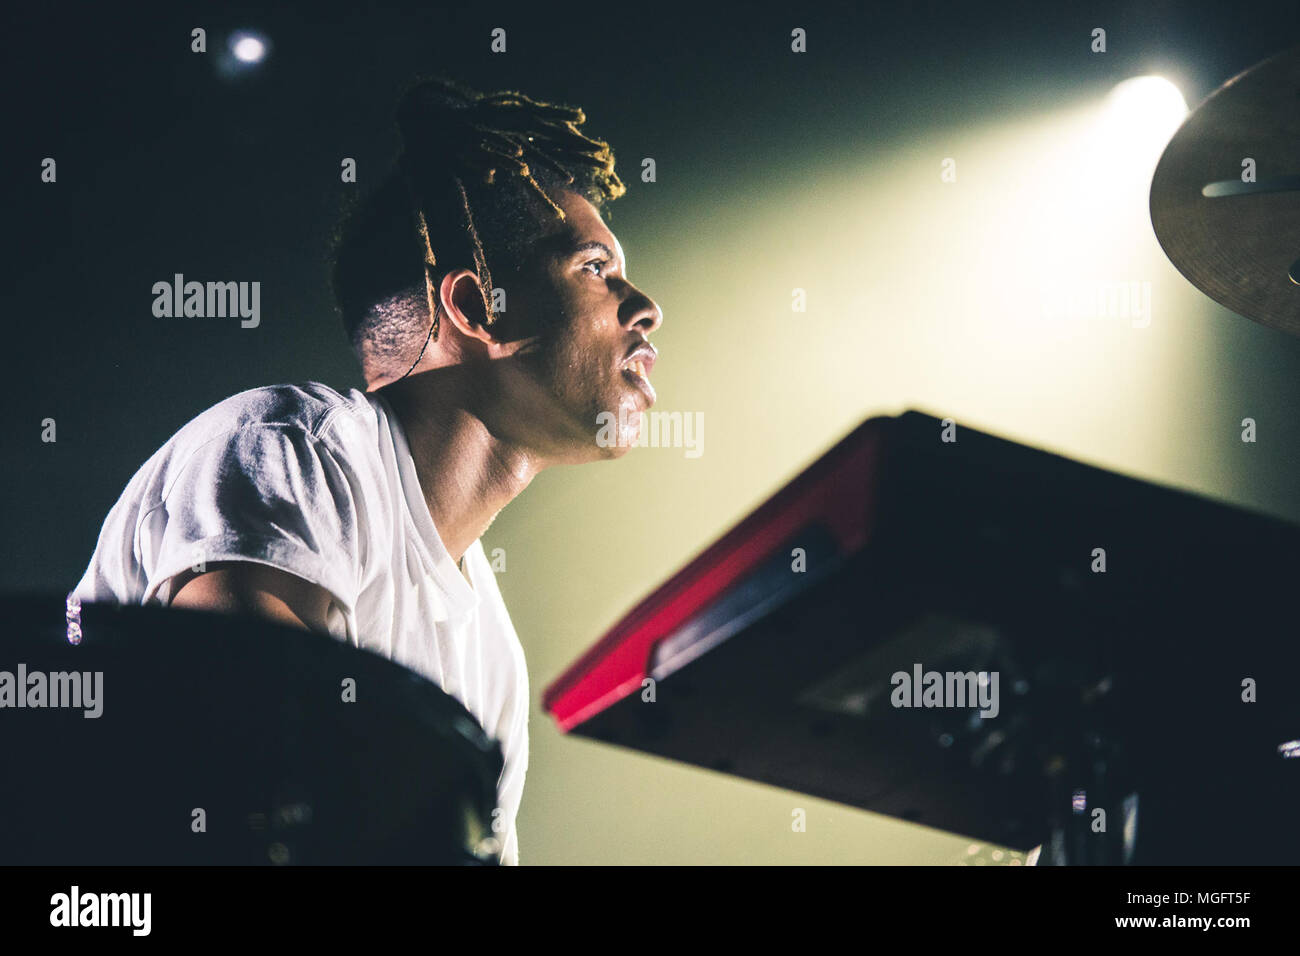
637,378
637,367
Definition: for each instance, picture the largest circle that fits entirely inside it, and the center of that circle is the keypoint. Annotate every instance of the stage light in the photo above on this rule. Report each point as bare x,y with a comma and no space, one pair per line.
1148,107
243,56
247,47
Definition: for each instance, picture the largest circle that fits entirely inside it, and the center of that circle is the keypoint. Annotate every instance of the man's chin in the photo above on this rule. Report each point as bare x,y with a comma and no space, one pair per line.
617,430
607,451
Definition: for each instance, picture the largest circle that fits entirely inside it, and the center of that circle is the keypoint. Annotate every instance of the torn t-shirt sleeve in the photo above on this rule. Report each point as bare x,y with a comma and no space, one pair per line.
269,493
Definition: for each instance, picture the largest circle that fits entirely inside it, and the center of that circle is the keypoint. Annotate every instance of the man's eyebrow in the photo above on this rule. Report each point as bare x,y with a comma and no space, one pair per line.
589,246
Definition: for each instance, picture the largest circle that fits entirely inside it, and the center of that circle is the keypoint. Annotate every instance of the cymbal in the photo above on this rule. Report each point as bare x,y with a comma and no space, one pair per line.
1238,242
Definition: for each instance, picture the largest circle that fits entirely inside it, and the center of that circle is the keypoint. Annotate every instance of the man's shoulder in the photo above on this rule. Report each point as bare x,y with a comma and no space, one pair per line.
310,406
306,416
227,469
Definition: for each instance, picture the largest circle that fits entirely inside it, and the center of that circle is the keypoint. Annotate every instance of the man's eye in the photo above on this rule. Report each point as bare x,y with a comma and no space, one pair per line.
596,262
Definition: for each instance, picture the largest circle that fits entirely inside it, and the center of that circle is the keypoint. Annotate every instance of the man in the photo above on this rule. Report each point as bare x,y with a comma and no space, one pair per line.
359,515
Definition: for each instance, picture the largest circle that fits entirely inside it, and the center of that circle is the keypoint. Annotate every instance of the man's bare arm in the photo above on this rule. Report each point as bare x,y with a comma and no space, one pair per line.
245,587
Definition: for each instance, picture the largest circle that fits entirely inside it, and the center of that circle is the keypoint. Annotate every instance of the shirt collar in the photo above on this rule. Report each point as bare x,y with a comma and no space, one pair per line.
458,596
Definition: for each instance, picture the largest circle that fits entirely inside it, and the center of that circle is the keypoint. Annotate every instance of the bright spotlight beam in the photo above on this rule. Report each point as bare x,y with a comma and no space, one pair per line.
1148,106
248,48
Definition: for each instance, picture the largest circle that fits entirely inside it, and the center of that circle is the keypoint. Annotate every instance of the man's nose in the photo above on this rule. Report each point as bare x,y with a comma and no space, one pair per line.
642,312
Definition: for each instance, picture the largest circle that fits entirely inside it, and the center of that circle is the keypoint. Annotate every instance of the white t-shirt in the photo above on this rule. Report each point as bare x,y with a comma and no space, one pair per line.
323,486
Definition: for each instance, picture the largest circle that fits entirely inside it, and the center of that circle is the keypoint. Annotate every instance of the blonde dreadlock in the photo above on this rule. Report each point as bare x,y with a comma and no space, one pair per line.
452,135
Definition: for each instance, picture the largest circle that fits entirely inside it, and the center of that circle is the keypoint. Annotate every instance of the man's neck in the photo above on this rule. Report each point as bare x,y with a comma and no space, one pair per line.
467,473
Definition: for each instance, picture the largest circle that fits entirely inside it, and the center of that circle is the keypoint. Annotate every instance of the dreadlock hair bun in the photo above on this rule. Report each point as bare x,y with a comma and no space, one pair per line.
479,172
432,117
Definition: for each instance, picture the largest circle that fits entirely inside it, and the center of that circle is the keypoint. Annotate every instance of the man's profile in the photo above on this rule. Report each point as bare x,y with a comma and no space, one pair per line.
490,308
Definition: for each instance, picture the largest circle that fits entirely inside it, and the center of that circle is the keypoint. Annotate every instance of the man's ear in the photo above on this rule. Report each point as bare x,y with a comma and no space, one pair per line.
462,305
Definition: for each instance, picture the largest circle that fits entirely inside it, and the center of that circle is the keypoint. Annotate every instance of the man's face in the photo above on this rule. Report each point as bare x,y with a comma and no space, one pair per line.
586,362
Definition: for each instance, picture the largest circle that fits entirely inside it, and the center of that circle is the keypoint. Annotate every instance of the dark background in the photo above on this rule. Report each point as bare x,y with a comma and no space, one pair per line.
165,167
